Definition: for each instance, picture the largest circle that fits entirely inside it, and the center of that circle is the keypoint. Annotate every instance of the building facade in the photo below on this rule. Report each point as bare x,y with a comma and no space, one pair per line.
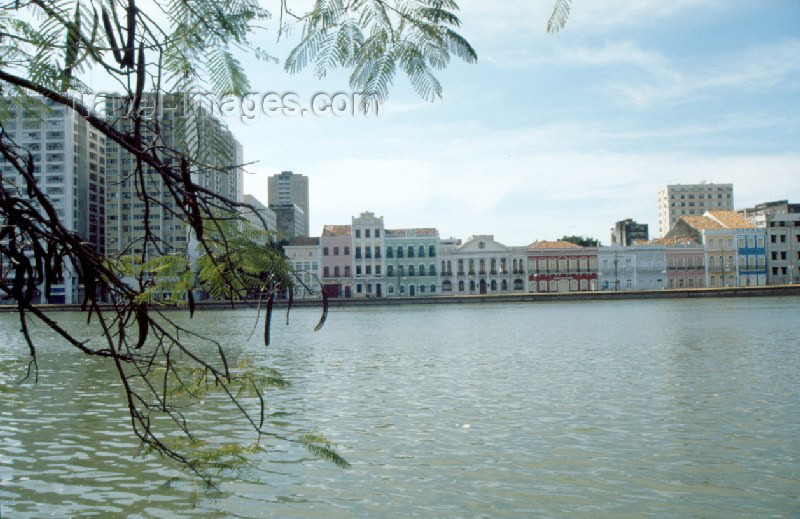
560,266
289,221
260,215
336,260
69,161
411,262
368,248
304,257
639,267
482,265
677,200
217,159
290,188
781,220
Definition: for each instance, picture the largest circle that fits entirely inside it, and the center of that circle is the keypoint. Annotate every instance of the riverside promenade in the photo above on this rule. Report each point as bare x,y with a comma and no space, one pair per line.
765,291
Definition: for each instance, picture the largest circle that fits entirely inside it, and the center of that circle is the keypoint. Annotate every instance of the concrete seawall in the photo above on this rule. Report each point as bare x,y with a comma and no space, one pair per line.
768,291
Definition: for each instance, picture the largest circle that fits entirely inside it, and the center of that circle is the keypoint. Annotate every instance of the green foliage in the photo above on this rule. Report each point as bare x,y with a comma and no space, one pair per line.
583,241
559,16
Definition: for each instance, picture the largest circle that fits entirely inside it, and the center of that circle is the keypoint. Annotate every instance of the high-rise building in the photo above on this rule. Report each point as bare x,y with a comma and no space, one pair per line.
678,200
68,159
290,188
625,232
216,160
290,221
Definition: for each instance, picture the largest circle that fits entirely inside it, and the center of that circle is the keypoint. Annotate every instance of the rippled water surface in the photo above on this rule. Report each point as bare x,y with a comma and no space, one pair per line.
661,408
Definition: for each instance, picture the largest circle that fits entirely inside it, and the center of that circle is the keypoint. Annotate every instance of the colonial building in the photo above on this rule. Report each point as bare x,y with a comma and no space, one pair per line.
482,265
336,260
304,257
735,249
638,267
560,266
367,242
411,262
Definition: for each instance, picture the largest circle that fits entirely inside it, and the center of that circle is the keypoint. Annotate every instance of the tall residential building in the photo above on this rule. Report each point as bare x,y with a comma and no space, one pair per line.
626,232
678,200
290,188
217,159
68,159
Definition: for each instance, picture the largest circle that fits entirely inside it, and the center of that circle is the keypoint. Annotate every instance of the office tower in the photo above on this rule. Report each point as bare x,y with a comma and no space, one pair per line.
290,188
678,200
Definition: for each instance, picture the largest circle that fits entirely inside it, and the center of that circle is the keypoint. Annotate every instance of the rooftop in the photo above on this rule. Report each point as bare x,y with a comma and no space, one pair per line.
730,219
336,230
560,244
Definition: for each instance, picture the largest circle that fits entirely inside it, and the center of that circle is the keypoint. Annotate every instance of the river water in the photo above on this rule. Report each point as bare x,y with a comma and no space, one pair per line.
593,409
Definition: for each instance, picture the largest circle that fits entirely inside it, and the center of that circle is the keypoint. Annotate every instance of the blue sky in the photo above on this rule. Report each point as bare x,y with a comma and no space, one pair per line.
553,134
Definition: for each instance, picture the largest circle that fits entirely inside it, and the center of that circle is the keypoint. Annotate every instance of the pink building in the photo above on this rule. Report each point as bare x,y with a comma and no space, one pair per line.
336,260
685,262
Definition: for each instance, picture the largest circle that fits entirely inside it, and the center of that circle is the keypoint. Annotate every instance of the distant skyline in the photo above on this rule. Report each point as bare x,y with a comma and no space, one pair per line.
553,134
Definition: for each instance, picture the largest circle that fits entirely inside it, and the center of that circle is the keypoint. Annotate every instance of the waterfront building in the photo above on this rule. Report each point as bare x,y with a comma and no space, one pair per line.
69,165
678,200
216,157
735,249
289,220
560,266
411,262
638,267
304,257
482,265
626,232
781,220
291,188
259,215
368,246
336,260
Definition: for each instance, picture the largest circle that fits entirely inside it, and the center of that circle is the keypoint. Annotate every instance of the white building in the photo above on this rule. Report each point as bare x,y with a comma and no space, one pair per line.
482,265
368,247
638,267
304,257
782,223
678,200
68,158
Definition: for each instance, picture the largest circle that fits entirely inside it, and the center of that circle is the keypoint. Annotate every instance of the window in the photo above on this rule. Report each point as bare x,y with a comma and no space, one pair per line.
377,251
347,271
421,251
410,251
358,288
433,289
400,270
368,252
336,251
432,269
422,270
347,251
542,286
461,286
325,251
377,233
336,272
422,289
447,286
358,233
391,289
411,270
358,270
326,272
368,270
390,270
377,270
399,252
366,233
358,252
389,252
432,251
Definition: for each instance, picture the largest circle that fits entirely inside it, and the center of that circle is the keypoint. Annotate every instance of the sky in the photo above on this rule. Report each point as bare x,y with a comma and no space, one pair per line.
553,134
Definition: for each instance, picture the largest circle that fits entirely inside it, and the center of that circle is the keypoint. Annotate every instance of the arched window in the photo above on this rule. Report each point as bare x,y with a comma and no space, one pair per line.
461,266
472,286
482,266
432,269
422,289
421,251
472,266
447,286
347,251
449,267
422,270
460,286
443,267
410,251
432,251
494,285
504,285
493,266
391,289
518,284
433,289
336,251
389,252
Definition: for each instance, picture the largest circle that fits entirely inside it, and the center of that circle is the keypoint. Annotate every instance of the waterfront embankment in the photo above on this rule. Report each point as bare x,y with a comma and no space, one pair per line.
690,293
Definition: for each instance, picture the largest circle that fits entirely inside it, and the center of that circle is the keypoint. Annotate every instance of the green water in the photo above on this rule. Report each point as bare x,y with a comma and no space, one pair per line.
597,409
